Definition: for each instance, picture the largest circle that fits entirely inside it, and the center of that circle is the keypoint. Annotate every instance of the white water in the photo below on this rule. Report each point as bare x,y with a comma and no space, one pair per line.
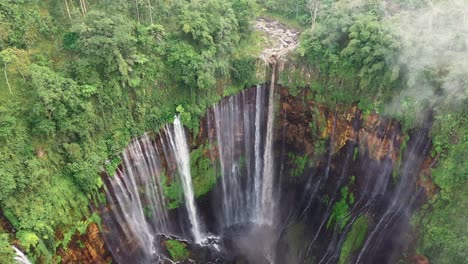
20,257
258,154
268,198
180,149
246,156
136,201
138,212
247,197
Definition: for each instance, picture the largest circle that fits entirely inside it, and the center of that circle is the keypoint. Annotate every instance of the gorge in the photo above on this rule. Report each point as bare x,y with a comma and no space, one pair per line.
236,132
362,179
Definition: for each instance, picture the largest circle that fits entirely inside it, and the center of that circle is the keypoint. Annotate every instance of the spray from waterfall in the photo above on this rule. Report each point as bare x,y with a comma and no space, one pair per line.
246,155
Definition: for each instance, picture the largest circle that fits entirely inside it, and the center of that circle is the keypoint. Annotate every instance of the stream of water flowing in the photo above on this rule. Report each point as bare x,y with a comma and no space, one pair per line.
20,257
179,146
246,156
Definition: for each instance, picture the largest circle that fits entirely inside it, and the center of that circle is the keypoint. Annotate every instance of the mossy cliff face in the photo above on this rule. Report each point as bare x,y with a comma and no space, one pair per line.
356,151
87,248
356,147
311,129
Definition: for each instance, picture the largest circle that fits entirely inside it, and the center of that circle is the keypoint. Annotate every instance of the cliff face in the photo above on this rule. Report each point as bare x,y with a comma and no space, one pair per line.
360,155
379,144
86,248
304,122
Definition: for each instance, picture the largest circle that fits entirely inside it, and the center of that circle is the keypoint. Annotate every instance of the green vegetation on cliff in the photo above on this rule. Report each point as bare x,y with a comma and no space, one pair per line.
354,238
203,170
442,223
177,250
340,211
298,163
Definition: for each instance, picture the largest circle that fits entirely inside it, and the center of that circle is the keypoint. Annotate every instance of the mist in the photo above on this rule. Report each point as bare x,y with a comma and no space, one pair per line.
433,57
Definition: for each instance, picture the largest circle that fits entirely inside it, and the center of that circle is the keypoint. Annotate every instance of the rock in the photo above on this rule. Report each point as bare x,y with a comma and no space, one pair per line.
285,39
87,248
419,259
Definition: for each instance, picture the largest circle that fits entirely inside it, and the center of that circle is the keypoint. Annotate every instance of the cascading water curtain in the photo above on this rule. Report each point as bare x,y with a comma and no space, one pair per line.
244,128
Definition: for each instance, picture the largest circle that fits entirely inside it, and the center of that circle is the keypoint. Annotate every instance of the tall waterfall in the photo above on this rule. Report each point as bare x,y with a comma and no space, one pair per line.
268,199
136,201
20,257
179,146
402,199
244,137
138,211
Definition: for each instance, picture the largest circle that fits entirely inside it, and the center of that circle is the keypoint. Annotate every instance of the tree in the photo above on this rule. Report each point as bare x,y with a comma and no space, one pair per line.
313,7
6,56
61,101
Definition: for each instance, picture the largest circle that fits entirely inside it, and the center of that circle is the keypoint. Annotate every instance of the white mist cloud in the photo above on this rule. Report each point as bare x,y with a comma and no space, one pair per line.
434,55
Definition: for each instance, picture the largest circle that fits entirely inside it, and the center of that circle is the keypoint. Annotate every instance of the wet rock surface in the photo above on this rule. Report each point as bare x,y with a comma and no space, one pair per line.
87,248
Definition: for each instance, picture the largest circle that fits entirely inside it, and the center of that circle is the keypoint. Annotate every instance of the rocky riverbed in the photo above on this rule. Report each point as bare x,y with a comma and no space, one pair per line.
284,39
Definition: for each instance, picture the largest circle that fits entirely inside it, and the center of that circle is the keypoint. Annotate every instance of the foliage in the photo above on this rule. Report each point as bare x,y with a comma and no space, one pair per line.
296,9
299,164
27,239
353,43
6,252
243,70
294,80
354,238
340,211
172,191
177,250
21,29
444,232
203,170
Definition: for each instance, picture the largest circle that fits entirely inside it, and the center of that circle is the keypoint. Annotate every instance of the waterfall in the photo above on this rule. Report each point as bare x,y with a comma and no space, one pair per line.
401,200
240,166
179,146
258,154
268,199
244,134
20,257
248,205
250,210
138,209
